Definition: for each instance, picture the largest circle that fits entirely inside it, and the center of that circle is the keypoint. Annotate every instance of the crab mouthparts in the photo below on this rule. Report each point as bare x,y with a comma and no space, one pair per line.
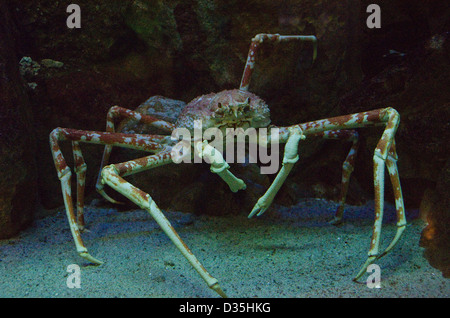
233,111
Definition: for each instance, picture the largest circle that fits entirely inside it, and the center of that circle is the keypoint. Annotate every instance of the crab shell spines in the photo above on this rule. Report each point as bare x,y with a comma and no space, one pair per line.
235,108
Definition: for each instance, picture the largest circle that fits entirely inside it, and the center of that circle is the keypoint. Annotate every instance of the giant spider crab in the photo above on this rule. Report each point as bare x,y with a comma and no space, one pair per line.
237,108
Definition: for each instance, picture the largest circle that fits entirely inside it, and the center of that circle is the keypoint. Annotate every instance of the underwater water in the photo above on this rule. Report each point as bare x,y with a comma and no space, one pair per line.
288,252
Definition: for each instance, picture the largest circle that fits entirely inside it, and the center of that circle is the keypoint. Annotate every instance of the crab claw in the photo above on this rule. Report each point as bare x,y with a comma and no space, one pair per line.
90,258
260,207
218,290
107,197
363,269
289,159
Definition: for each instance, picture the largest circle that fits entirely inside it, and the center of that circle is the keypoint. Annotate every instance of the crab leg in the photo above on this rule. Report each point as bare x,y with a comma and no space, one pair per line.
289,159
80,170
142,142
390,118
391,164
116,113
347,169
219,165
254,46
347,166
379,164
112,175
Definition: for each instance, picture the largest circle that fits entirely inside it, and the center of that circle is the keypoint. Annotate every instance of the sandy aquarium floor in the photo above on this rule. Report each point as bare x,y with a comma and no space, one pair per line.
288,252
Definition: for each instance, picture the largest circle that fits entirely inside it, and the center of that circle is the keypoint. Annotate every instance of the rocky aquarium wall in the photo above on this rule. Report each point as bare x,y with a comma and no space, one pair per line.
58,70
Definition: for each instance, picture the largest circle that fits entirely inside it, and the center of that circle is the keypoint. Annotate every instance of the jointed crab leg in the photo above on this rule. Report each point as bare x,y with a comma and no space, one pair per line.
80,170
112,175
289,159
142,142
117,113
347,169
384,152
219,165
391,163
254,46
347,166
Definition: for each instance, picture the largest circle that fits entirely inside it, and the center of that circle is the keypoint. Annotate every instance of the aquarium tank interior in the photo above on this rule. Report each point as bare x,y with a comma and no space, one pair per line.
204,149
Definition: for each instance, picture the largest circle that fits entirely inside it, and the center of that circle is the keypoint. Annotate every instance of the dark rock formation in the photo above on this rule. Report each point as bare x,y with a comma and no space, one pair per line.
18,186
436,236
